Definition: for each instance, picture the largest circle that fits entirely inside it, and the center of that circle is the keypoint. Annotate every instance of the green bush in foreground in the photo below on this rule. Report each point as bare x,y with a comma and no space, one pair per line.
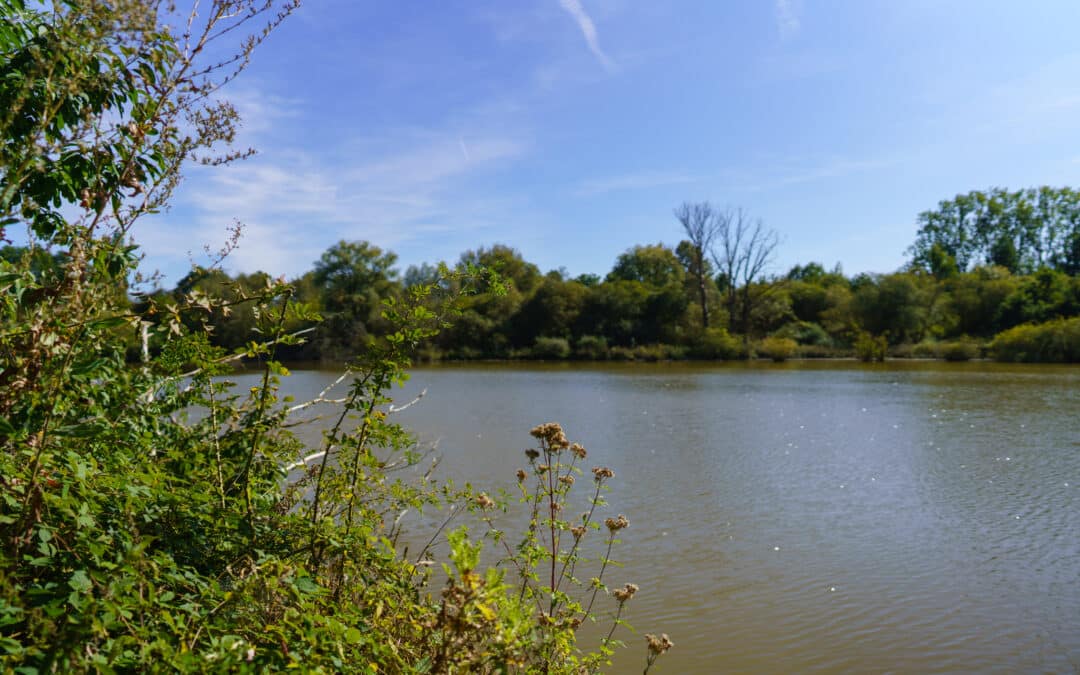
1055,341
153,518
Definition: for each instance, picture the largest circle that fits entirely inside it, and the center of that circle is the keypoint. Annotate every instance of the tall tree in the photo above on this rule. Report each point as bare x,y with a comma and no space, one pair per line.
701,222
743,251
1022,230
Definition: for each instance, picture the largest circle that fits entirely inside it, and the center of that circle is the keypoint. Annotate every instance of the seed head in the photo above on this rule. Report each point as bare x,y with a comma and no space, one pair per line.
616,524
578,450
521,475
658,645
552,433
625,593
484,501
600,473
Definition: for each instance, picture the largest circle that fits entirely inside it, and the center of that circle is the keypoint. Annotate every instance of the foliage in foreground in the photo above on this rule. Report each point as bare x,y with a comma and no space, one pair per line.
155,518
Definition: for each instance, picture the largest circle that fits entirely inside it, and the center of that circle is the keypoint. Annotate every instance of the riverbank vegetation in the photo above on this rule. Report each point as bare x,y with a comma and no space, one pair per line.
153,518
955,300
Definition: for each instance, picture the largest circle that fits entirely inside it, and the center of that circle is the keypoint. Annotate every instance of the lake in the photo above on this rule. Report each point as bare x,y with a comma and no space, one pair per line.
908,517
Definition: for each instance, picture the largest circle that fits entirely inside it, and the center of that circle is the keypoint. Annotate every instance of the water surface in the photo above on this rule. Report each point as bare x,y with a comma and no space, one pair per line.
815,517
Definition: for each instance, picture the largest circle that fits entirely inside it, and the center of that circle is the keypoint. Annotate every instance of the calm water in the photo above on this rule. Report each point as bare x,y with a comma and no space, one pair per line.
824,517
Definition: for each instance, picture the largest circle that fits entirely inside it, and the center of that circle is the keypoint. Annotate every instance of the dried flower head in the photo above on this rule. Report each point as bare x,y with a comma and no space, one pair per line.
659,645
484,501
600,473
625,593
542,468
578,450
532,454
566,480
578,531
546,430
552,433
616,524
521,475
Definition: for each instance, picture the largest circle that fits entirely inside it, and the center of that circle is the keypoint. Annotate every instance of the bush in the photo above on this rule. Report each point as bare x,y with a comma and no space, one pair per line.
591,347
921,350
778,349
717,344
958,350
816,352
805,333
1055,341
553,348
155,519
869,348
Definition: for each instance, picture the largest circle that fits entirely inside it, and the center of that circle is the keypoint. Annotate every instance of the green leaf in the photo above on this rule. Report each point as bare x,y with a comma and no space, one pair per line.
80,582
353,636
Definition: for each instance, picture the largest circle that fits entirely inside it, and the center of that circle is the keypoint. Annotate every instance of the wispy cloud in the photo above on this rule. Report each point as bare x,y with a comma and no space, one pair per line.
402,186
796,171
1037,104
633,181
588,29
788,17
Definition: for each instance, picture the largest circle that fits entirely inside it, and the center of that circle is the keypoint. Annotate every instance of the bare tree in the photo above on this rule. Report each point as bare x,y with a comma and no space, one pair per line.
743,252
701,221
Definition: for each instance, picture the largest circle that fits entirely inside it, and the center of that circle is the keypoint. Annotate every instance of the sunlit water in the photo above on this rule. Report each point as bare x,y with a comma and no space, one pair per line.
821,517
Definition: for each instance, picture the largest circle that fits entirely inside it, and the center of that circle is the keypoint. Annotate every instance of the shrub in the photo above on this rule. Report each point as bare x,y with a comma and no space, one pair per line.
1055,341
816,352
921,350
550,348
591,347
870,348
153,518
778,349
657,352
805,333
958,350
717,344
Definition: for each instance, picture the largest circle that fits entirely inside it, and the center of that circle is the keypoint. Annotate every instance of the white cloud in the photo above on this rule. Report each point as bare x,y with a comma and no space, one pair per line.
588,29
788,17
294,205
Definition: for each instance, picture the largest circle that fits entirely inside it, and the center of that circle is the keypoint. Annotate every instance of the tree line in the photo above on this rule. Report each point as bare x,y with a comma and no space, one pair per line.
1009,262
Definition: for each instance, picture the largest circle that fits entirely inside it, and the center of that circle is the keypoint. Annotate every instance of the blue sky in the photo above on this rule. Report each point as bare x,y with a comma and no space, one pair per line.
570,129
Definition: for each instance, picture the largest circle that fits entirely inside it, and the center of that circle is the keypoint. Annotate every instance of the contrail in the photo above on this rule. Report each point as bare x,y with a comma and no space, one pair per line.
588,29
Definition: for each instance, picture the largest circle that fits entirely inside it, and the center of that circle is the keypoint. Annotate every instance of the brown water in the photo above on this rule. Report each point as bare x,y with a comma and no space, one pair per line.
819,517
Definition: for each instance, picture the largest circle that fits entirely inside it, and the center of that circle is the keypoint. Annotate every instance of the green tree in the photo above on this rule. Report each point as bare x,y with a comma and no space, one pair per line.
893,304
654,265
552,311
353,278
1021,230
